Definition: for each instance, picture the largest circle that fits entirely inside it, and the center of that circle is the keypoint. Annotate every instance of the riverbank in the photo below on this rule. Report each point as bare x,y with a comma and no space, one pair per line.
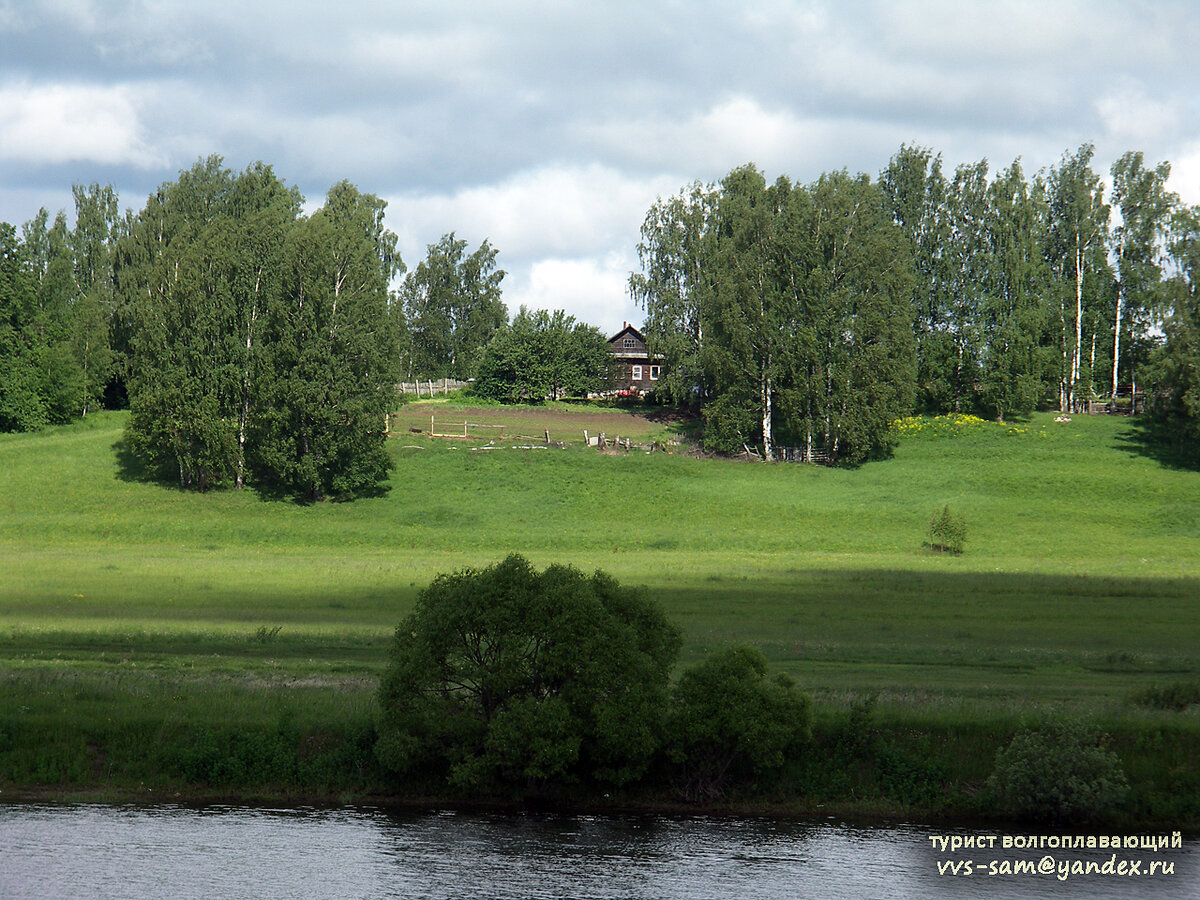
856,768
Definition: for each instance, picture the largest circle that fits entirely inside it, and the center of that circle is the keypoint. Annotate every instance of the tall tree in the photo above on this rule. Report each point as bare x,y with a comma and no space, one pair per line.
452,308
1078,228
97,229
22,403
1174,371
1145,205
747,311
333,354
967,264
674,253
859,294
196,272
916,193
1015,361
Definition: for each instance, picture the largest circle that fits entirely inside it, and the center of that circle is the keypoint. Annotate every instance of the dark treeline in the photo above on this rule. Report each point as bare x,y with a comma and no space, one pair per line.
813,315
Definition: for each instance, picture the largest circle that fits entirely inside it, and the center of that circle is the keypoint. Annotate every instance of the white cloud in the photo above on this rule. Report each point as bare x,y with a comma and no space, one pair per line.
731,131
592,290
1128,114
555,211
58,123
1185,174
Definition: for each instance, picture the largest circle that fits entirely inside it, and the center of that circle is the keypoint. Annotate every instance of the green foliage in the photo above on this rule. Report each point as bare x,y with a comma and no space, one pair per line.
330,355
1177,696
730,723
947,532
1060,773
674,254
542,356
261,342
452,309
1174,370
509,678
784,308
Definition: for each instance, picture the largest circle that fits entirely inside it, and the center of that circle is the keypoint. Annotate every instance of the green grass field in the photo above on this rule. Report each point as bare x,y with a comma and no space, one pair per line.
1080,584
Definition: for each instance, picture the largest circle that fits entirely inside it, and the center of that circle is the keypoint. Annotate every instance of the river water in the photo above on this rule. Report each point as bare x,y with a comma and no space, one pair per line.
138,853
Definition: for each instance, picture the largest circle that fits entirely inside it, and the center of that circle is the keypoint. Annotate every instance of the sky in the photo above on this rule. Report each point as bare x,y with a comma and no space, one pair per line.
550,128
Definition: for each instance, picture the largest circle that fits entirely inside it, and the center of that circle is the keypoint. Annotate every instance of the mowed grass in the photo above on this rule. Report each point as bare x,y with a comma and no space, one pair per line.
1080,583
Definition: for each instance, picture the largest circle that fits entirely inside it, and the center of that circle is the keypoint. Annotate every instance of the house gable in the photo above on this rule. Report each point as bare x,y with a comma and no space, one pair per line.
635,370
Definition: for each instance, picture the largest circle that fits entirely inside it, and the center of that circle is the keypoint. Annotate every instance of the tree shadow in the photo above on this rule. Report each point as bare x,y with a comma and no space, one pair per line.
132,470
1154,439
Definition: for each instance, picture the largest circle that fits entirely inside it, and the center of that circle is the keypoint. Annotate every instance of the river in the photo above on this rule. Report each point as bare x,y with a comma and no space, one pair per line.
138,853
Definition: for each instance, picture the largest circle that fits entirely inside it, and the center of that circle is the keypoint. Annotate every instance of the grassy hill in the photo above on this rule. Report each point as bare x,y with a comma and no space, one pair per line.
1080,584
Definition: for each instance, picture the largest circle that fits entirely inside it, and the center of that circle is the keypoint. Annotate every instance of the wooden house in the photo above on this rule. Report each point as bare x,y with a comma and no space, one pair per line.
635,372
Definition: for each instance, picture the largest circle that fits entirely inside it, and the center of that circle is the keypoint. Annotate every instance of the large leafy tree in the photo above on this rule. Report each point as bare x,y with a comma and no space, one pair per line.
674,253
452,308
332,354
1174,371
197,271
262,342
22,400
803,302
1016,359
511,678
1145,206
915,192
1075,249
543,355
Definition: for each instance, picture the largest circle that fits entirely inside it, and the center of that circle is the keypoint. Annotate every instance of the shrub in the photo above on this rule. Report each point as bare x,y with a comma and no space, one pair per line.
1059,773
947,532
514,679
730,722
1177,696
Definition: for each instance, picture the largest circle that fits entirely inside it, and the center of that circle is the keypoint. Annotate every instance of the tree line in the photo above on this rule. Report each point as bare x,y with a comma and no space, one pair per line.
257,344
254,343
814,315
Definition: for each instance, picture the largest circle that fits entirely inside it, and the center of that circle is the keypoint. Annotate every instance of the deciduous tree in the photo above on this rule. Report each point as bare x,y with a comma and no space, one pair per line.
515,679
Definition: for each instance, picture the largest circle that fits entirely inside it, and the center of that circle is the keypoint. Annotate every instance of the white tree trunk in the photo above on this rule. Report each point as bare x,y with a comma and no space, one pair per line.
1076,360
768,445
1117,341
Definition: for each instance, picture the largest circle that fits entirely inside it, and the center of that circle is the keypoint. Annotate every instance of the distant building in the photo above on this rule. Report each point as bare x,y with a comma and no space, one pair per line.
635,371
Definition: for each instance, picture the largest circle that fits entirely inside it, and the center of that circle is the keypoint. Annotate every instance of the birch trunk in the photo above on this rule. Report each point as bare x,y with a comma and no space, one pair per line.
768,450
1117,341
1078,320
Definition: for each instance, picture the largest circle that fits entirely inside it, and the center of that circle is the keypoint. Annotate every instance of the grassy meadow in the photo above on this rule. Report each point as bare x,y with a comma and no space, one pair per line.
136,607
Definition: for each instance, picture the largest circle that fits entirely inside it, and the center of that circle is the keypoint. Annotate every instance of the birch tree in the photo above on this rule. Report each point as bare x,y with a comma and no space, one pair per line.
675,252
452,308
333,354
1145,205
1077,234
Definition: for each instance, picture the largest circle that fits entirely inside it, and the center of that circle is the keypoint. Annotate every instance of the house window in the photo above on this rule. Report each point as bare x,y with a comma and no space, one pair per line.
654,370
637,373
629,343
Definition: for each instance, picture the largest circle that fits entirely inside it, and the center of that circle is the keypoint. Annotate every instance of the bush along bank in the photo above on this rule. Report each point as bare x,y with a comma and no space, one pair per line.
855,764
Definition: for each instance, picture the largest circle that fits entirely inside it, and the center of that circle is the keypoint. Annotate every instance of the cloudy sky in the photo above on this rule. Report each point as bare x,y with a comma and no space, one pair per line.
549,128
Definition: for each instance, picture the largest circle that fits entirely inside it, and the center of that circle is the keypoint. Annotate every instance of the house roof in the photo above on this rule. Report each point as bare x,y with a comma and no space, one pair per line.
628,329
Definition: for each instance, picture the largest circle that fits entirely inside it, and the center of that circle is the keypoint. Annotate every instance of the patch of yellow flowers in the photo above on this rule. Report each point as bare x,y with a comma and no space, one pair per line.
937,426
951,425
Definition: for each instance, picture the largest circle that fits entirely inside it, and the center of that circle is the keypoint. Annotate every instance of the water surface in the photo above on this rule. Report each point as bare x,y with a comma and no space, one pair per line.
140,853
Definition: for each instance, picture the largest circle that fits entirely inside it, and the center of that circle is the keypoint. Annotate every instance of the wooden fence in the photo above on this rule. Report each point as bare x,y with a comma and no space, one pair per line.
430,388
